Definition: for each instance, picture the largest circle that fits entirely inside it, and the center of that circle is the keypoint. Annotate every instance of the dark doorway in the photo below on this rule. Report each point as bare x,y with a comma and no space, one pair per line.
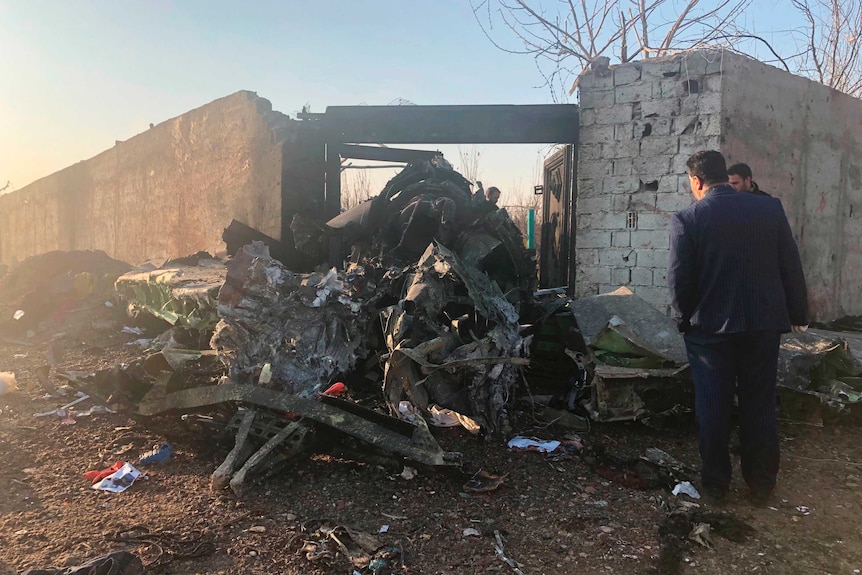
556,256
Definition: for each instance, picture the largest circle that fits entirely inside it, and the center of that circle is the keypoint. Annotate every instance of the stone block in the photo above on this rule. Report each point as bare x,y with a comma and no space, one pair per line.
696,128
663,108
659,69
593,204
658,146
622,149
621,239
691,143
711,125
594,275
622,167
673,202
641,277
686,125
651,168
659,277
596,134
674,184
653,258
588,188
678,164
596,98
620,276
672,88
618,257
586,257
608,221
587,116
604,80
593,239
650,239
586,81
589,151
618,114
708,103
625,131
595,169
638,202
650,127
702,62
620,185
627,73
654,221
637,92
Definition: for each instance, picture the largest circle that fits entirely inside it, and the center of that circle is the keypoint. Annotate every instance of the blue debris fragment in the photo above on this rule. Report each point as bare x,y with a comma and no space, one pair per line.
158,455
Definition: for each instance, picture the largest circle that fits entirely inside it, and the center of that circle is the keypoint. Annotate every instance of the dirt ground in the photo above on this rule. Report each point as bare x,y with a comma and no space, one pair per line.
555,517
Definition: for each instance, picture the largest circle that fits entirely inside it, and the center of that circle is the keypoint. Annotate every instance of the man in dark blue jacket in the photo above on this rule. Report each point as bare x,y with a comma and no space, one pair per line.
736,280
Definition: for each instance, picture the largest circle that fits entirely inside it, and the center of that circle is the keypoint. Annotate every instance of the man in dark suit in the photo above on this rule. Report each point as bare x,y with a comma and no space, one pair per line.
736,280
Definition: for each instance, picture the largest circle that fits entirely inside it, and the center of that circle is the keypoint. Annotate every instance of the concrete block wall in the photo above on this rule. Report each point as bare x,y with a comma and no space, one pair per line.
167,192
639,124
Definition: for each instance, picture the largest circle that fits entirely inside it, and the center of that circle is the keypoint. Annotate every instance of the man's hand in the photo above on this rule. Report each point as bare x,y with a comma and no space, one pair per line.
799,328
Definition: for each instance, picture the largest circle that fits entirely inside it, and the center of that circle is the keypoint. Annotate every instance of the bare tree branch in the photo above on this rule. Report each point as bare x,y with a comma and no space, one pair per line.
577,32
834,47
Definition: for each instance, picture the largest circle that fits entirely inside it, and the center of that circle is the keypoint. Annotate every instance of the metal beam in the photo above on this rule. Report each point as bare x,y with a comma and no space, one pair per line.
378,154
487,124
332,204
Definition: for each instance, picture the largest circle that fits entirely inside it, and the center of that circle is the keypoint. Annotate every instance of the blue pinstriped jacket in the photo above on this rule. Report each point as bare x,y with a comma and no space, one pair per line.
734,265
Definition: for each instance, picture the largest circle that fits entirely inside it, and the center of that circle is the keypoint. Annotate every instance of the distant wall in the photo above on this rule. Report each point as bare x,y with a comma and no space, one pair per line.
804,144
167,192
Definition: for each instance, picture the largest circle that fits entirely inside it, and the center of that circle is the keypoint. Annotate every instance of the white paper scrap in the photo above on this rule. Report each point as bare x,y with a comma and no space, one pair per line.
120,480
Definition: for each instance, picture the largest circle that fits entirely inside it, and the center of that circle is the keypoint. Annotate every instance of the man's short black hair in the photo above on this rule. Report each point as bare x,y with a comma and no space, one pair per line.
708,165
741,170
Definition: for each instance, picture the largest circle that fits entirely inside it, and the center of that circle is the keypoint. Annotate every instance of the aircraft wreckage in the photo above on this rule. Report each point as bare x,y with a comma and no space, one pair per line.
424,303
415,307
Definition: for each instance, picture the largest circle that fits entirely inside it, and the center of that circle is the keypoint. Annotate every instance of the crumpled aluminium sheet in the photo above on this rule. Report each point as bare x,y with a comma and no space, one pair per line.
453,341
308,327
819,369
182,295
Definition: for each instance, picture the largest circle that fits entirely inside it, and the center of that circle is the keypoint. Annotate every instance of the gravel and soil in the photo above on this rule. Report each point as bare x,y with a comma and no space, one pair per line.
554,517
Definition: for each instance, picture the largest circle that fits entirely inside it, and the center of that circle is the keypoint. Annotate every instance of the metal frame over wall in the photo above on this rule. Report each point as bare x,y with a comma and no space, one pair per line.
341,128
311,178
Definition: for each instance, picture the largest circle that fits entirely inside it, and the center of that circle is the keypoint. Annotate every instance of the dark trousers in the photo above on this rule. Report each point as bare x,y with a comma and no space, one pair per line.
745,363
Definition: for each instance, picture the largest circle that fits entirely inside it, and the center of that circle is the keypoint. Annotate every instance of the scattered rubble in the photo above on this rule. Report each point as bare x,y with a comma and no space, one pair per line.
417,308
820,376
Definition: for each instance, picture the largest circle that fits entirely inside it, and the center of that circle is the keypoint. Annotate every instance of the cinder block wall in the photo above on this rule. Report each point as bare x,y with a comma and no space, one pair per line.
164,193
639,124
641,121
803,141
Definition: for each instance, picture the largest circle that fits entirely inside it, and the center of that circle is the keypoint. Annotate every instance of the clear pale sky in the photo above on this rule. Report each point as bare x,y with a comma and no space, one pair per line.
77,75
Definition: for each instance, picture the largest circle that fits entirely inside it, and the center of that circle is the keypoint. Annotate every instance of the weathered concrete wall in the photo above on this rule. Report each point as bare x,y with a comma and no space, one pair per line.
803,142
167,192
639,124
